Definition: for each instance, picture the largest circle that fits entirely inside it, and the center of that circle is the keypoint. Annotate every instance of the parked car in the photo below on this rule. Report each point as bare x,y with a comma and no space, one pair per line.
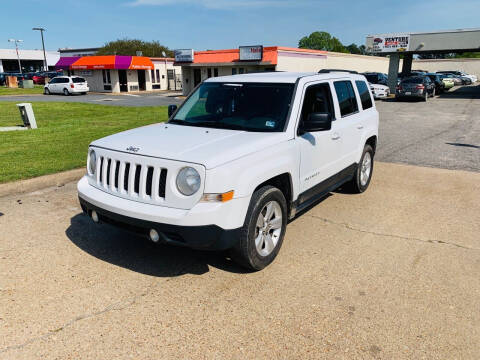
456,80
66,85
376,78
225,171
416,87
472,78
38,79
380,91
437,80
447,82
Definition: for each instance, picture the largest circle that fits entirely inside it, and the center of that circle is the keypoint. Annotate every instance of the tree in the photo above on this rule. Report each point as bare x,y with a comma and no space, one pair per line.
131,46
353,49
321,40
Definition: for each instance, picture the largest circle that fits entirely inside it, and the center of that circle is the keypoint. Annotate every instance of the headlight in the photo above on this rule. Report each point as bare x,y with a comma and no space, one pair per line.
188,181
92,162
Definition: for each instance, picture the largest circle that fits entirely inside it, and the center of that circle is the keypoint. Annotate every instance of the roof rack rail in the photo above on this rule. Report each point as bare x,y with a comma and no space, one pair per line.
326,71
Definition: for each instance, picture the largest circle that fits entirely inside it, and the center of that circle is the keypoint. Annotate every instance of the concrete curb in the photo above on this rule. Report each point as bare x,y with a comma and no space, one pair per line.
41,182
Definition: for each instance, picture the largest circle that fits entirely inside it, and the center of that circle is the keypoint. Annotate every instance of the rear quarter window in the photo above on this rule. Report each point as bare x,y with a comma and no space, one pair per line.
78,80
364,93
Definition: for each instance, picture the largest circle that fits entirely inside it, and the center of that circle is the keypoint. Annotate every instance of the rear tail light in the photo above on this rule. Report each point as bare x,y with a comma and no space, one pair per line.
72,85
421,87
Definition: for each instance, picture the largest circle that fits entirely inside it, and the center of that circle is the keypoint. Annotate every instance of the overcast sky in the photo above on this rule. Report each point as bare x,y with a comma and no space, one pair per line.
220,24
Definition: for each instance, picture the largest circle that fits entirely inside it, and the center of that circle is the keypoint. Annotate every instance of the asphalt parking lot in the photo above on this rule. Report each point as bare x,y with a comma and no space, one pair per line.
137,100
389,274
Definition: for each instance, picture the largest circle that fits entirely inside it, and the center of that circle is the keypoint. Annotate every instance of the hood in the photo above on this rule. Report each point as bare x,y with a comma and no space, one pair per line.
206,146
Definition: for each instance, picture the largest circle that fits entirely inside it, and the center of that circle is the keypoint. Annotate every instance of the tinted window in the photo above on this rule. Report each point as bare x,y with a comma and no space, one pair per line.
63,80
54,81
346,97
78,80
239,106
364,93
413,80
372,78
318,98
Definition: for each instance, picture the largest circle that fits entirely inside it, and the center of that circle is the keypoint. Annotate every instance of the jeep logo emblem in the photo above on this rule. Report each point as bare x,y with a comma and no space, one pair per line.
133,149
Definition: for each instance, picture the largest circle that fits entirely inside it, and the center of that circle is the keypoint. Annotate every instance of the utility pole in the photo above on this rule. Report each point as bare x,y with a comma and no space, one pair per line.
45,65
18,56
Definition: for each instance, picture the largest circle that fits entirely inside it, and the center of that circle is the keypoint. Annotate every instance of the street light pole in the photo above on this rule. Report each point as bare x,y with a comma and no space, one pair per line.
18,56
45,65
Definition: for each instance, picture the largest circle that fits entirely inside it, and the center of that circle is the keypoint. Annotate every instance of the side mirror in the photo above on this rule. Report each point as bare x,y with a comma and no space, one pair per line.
171,109
316,122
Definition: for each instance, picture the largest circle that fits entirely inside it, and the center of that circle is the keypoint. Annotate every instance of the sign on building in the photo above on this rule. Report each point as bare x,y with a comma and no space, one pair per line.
391,42
251,53
183,55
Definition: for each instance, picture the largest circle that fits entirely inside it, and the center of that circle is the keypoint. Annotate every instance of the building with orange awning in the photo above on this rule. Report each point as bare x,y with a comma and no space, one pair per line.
115,73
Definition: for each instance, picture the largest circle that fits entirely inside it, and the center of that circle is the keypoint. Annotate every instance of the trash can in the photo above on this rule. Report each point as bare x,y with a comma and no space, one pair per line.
28,118
26,84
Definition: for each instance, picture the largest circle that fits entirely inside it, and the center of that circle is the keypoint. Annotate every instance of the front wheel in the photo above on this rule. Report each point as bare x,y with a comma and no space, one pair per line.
264,229
425,96
65,92
46,91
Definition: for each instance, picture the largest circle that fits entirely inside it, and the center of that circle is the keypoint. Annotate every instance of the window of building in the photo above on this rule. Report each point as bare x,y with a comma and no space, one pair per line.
215,72
158,75
346,97
241,70
209,73
152,74
318,98
234,71
106,77
365,97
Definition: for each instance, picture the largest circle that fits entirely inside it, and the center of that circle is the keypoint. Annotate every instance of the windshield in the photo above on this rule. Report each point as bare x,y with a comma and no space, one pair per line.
78,80
238,106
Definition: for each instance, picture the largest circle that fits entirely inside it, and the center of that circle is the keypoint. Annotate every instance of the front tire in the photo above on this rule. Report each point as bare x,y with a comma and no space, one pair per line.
46,91
65,92
425,97
364,171
262,234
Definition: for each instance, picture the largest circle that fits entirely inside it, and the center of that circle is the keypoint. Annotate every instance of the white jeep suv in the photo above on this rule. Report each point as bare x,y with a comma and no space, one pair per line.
239,158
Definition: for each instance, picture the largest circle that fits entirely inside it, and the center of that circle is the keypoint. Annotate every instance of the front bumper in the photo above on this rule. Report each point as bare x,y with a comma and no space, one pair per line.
206,225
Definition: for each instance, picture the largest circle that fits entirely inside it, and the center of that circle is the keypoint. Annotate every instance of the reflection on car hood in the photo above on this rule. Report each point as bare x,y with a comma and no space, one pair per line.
207,146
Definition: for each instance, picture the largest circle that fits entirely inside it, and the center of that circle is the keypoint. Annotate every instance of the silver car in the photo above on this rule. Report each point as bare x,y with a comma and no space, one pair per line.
416,87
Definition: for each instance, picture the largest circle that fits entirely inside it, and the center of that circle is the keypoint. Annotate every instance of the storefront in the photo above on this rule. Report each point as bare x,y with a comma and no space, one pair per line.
121,73
200,65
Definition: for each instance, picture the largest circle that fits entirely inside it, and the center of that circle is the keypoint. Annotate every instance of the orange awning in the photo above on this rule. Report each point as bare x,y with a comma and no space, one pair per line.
95,62
141,63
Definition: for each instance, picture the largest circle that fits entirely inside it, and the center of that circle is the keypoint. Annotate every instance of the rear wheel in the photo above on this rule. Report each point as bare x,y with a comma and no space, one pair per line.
433,92
264,229
65,92
425,96
364,171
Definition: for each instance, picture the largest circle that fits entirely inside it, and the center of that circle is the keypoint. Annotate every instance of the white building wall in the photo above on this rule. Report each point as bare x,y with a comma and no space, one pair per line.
470,66
1,66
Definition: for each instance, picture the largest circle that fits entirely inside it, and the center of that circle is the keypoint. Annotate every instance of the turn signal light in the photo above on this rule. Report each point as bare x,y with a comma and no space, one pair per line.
218,197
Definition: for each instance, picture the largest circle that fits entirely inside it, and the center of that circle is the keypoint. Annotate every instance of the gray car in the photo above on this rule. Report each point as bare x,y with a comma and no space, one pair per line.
420,87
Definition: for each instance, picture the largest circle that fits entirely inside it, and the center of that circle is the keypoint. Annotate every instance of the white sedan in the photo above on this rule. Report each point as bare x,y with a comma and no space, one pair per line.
66,85
380,91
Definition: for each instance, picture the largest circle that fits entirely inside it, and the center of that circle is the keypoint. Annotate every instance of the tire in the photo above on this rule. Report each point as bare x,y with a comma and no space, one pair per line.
254,251
65,92
433,92
84,93
46,91
360,183
425,97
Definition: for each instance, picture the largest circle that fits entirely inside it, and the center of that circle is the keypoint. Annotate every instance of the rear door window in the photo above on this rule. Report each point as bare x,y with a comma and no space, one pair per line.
364,93
77,80
346,97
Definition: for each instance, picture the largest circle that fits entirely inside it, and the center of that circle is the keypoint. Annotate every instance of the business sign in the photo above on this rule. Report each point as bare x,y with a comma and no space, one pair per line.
390,43
183,55
251,53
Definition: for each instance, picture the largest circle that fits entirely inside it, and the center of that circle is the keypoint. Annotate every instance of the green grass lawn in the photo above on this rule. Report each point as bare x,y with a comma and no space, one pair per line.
63,134
38,89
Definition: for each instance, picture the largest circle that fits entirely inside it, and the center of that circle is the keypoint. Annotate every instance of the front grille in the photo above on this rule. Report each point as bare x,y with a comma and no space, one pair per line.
139,181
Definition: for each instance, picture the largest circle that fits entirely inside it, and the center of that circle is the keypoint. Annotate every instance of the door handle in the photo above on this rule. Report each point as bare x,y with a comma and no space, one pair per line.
335,136
359,127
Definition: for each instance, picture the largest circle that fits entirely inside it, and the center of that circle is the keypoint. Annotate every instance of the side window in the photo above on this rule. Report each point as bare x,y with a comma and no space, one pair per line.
346,97
318,98
53,81
364,93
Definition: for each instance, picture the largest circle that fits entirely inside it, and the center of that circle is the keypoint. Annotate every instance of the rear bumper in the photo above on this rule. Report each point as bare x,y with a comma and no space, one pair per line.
206,237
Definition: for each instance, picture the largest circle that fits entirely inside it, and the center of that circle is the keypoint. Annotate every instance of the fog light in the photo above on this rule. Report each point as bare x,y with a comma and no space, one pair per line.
94,216
154,236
